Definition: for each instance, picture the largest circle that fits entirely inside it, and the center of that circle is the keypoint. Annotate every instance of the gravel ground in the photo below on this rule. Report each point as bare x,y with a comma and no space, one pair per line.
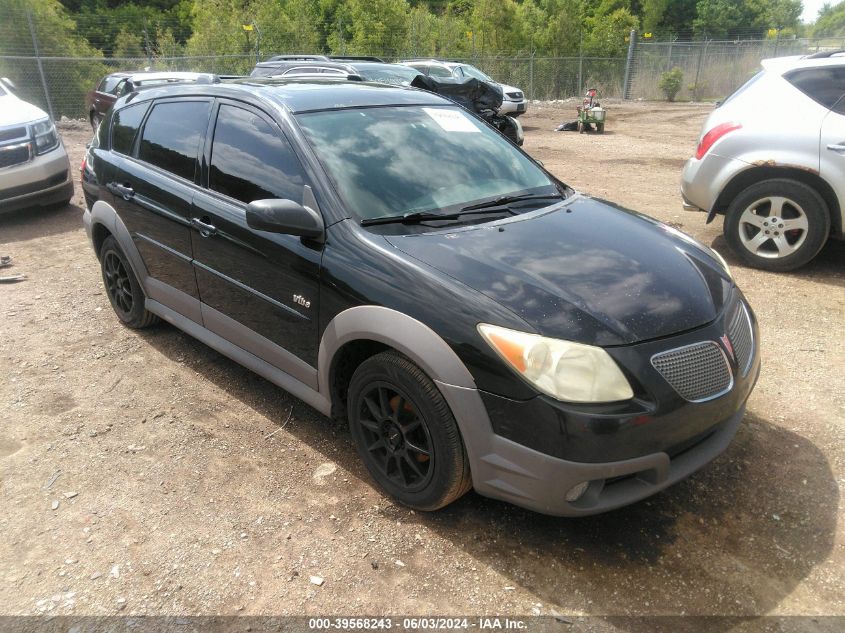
143,473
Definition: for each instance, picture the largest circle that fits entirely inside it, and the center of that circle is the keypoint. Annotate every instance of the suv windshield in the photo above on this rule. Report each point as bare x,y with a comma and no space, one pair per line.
472,71
396,160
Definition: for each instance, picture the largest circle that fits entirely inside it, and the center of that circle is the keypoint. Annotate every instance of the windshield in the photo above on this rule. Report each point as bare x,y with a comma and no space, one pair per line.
472,71
396,75
396,160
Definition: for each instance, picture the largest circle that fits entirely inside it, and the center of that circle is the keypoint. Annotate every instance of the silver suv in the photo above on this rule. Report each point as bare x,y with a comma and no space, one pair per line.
513,99
771,159
34,168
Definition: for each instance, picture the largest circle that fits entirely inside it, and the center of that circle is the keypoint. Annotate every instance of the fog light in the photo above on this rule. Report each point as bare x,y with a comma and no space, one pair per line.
574,493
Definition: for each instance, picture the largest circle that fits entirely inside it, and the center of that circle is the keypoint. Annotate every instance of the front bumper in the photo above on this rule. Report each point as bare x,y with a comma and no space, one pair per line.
44,180
536,451
513,108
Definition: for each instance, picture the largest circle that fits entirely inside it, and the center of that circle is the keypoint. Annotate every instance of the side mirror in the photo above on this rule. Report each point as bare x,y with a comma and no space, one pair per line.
284,216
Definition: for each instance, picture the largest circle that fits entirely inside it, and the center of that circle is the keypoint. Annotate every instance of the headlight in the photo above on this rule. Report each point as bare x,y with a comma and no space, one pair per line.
46,138
567,371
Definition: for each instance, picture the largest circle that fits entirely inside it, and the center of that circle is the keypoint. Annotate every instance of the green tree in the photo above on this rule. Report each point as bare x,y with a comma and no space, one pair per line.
831,21
606,34
128,44
56,33
375,27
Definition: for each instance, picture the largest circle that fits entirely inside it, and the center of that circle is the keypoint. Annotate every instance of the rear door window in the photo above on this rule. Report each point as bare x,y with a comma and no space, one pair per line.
125,124
172,136
824,85
250,160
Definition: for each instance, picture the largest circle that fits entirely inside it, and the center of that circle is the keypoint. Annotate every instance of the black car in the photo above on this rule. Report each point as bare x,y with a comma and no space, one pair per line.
394,261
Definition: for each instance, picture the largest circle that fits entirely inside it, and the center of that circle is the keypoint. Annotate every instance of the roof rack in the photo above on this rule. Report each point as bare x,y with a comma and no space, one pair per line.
356,58
826,54
336,77
297,58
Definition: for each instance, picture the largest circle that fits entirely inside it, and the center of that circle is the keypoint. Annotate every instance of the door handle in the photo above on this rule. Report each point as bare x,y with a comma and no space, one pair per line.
836,148
124,191
205,229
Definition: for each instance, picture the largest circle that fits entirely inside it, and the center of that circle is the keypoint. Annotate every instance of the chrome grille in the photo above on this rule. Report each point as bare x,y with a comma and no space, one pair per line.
741,337
697,372
13,133
14,154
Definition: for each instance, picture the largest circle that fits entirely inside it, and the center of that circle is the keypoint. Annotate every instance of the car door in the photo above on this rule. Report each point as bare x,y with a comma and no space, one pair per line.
259,290
153,187
832,148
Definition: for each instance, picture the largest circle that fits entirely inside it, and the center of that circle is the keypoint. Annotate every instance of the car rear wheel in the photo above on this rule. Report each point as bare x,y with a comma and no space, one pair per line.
122,288
777,224
406,434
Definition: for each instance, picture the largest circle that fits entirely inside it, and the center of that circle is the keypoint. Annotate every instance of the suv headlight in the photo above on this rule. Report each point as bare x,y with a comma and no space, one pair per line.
564,370
46,137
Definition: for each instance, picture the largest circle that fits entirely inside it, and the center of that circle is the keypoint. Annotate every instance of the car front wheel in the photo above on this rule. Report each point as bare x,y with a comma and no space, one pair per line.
777,225
406,434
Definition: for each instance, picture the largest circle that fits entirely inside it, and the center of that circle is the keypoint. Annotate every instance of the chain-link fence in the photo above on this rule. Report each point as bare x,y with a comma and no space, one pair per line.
711,69
67,80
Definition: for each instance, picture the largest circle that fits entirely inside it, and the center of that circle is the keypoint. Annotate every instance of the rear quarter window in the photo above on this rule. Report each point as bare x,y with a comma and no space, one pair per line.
125,124
824,85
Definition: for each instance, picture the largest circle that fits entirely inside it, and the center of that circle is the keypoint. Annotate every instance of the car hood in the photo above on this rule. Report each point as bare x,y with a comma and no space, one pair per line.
14,111
506,89
584,271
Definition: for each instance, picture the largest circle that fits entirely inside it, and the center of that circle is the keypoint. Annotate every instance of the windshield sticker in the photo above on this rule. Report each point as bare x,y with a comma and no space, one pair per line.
451,120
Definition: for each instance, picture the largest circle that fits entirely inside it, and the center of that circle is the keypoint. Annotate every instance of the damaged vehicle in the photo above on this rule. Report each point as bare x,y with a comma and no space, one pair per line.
481,97
771,160
34,167
393,261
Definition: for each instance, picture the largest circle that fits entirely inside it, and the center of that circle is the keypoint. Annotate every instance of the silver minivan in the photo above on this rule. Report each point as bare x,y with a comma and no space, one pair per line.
771,160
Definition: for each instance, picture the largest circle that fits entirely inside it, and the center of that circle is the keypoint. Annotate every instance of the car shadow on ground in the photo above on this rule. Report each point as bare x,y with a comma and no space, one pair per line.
828,267
27,224
734,539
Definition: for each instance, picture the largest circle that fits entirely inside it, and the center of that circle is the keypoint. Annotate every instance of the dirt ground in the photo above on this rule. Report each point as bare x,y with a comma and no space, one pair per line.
143,473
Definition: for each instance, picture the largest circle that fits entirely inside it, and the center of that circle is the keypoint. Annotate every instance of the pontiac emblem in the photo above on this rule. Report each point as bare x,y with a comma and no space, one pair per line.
726,342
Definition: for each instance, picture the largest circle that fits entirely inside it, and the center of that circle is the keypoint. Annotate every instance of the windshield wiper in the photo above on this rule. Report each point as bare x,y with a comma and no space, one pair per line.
415,217
505,200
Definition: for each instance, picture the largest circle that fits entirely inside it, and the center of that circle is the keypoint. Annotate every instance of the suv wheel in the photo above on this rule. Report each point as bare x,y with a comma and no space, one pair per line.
406,434
777,224
122,288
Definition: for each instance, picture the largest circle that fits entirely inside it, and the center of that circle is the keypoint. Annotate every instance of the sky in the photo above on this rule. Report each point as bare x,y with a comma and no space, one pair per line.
811,9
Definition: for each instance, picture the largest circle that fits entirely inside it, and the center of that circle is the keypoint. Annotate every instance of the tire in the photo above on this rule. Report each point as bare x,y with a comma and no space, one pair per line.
749,219
406,434
123,290
600,128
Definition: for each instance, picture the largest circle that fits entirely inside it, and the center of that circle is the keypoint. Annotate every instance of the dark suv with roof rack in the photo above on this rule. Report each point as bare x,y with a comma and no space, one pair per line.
363,68
393,261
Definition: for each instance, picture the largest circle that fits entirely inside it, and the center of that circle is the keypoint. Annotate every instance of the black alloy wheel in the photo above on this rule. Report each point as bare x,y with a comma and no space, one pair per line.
396,436
405,433
124,292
